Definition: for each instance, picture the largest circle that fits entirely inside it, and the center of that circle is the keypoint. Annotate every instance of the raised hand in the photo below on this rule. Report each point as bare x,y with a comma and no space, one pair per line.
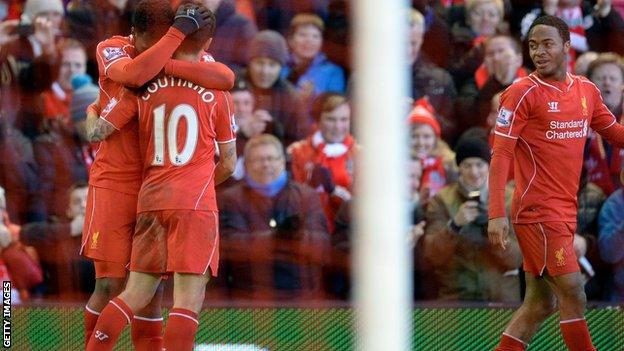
190,17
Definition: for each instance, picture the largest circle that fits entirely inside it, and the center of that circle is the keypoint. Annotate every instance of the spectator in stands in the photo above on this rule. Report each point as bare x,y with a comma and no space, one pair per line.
273,229
276,15
582,62
28,60
68,275
611,239
267,54
436,159
590,200
19,173
436,46
250,122
429,80
467,266
91,21
337,40
62,154
308,68
325,159
232,35
21,261
599,28
502,65
602,160
73,61
481,19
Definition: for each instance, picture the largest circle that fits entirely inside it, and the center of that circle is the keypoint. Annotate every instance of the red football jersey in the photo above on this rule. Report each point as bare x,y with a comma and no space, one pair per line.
545,125
118,162
179,123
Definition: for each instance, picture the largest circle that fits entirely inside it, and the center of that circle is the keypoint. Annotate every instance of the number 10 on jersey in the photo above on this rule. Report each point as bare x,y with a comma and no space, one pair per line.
177,158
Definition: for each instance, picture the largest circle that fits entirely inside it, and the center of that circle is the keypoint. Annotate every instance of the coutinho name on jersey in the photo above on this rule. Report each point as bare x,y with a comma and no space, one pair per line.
166,82
567,130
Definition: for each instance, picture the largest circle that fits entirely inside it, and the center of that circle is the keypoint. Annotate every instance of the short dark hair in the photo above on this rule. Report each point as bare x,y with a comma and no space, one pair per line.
552,21
325,102
152,16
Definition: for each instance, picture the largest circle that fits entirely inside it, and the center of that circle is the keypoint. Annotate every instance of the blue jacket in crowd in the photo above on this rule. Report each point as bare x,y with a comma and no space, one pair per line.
611,240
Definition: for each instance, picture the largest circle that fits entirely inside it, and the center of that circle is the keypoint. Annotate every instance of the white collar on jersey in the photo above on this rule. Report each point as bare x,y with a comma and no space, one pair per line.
568,75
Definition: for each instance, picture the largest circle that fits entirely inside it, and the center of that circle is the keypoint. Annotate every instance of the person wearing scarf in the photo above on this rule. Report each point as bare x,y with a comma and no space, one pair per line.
273,229
325,159
602,161
436,158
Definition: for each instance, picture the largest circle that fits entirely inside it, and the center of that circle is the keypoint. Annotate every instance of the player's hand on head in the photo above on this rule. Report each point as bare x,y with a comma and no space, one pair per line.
190,17
467,213
498,232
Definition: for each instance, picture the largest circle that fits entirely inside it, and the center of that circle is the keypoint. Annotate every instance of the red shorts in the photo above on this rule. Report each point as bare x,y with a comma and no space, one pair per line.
104,269
181,241
109,225
547,246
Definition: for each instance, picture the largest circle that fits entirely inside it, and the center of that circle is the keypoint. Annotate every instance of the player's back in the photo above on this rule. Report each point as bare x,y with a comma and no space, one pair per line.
179,123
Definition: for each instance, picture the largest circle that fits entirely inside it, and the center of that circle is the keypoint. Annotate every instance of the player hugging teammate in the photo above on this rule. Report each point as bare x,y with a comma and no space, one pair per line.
141,160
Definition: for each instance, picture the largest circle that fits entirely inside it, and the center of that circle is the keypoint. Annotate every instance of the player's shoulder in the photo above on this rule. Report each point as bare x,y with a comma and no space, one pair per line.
519,89
585,82
114,47
522,84
223,97
116,40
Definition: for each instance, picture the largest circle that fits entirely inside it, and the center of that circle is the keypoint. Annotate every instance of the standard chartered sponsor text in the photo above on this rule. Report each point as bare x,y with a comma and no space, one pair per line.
556,131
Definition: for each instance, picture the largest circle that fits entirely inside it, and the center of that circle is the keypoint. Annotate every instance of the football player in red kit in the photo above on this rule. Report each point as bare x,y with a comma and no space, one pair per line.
116,174
180,124
542,125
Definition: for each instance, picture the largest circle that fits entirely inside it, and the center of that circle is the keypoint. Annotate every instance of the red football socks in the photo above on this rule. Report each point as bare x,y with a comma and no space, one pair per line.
147,333
180,331
114,317
90,318
510,343
576,335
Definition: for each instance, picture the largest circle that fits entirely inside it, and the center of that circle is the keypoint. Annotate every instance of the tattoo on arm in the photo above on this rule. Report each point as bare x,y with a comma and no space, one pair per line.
231,153
98,130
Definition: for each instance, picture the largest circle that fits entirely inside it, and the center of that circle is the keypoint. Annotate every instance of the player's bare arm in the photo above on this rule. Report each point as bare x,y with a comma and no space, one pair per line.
227,161
210,75
135,72
498,232
98,129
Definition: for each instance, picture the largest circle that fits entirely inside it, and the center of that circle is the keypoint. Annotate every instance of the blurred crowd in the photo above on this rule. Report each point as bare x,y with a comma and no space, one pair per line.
285,221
